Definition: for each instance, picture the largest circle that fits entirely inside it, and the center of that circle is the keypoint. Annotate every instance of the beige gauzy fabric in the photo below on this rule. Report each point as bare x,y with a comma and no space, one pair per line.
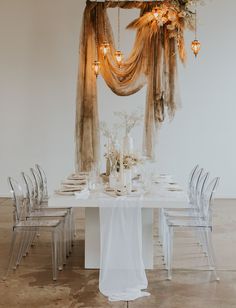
152,62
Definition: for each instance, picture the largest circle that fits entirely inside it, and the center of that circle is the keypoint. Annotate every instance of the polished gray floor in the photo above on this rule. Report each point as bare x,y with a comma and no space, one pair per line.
192,285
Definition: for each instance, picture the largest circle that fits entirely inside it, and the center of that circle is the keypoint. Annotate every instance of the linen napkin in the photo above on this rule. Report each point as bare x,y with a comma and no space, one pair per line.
83,194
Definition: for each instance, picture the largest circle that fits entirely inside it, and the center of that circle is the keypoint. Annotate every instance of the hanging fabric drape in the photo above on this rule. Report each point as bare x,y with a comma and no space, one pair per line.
152,61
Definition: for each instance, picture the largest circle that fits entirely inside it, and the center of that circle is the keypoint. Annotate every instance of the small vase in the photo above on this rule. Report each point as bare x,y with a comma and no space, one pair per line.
113,179
128,144
128,180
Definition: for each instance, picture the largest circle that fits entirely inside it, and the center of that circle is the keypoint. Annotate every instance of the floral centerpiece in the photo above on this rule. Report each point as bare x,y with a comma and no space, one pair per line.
129,160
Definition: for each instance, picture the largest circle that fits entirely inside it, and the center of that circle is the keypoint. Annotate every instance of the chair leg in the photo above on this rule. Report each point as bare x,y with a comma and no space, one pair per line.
67,234
160,233
170,252
64,241
11,259
54,254
211,253
60,250
165,241
21,249
27,242
73,229
70,230
31,241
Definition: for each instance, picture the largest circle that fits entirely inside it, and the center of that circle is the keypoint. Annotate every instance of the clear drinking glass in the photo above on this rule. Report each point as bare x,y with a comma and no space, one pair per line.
94,180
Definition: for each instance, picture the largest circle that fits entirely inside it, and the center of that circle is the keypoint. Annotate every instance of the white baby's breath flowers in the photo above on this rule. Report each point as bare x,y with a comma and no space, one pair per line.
129,121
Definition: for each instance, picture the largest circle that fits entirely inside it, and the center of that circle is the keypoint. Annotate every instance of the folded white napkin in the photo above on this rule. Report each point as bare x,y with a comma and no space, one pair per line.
83,194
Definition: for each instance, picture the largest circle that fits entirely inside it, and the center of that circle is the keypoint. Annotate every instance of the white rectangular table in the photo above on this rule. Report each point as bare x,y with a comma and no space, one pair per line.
159,197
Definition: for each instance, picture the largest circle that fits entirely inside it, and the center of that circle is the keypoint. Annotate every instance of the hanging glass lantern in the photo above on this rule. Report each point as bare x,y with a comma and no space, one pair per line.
118,53
105,47
196,46
119,57
96,68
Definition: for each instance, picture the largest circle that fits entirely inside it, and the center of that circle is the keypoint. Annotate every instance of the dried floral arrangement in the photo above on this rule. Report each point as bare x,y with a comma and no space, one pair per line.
129,160
175,15
129,121
126,122
110,133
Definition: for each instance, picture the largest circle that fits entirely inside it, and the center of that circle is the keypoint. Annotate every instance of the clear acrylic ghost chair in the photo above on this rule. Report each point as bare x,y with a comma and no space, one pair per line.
44,213
198,182
40,180
194,178
203,224
194,211
25,229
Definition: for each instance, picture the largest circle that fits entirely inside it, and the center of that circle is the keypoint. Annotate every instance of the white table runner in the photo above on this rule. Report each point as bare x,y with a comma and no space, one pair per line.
122,273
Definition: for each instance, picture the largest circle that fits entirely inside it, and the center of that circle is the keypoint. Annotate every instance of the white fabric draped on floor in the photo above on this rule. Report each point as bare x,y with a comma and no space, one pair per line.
122,273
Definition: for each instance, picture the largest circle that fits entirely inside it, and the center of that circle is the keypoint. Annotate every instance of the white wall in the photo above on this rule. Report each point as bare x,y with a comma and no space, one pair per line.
38,71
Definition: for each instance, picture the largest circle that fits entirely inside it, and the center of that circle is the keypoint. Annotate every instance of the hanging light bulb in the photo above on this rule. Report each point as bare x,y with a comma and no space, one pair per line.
105,47
119,57
118,54
96,68
96,63
196,45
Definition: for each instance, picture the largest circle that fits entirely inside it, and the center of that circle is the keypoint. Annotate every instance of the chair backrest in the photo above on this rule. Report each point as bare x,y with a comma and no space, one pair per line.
191,176
36,183
19,212
30,191
44,183
208,197
194,185
200,188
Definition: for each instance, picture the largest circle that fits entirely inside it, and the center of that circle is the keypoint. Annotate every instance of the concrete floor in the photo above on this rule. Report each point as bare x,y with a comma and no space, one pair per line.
192,285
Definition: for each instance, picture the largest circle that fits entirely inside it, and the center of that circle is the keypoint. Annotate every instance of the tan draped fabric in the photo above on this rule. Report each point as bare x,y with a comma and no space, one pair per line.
152,62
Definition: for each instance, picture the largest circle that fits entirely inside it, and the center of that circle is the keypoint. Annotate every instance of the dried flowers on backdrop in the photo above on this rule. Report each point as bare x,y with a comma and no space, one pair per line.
174,16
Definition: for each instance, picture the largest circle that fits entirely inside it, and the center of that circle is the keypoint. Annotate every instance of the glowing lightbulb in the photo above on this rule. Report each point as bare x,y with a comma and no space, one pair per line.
105,48
119,57
96,67
196,46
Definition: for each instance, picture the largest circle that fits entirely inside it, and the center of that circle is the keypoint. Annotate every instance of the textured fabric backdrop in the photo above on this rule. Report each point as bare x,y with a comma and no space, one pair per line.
152,62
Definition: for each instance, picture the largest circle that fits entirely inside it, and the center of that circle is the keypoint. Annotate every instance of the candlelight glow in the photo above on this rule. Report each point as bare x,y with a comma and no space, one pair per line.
96,68
105,48
196,46
119,57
